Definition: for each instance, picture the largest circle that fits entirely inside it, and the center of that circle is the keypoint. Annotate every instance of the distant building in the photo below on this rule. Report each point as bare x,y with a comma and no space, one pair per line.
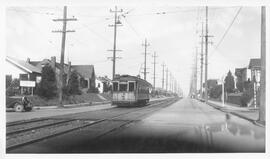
30,71
241,74
103,84
211,83
255,67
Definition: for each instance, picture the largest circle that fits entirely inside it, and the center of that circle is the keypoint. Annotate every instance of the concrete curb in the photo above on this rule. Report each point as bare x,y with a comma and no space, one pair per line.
235,114
72,105
83,104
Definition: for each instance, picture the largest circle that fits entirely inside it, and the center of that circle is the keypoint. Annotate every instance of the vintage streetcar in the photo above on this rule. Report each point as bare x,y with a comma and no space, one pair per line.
130,91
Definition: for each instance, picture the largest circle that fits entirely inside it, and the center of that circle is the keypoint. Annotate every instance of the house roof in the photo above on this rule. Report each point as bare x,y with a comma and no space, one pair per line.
104,79
27,67
254,63
86,71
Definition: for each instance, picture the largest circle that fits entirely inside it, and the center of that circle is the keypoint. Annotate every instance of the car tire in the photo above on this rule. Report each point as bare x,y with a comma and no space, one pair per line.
18,107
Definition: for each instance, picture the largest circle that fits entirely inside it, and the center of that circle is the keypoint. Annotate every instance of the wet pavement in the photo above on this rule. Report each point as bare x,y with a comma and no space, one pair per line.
185,126
192,122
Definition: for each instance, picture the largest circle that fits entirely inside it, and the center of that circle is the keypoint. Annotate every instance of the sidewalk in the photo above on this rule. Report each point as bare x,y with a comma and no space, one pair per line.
250,114
73,105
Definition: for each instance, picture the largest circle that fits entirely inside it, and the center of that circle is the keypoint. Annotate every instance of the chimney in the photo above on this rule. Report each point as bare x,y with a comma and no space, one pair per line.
28,60
53,62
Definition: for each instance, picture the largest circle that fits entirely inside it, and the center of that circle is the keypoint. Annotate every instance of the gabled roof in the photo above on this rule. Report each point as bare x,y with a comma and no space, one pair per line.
103,79
86,71
254,63
21,64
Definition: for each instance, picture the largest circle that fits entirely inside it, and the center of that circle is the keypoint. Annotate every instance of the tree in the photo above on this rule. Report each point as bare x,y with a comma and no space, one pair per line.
8,80
47,87
216,91
240,85
12,87
229,83
73,84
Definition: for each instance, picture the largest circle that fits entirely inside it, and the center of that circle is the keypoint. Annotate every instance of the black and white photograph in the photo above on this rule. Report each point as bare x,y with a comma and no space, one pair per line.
135,78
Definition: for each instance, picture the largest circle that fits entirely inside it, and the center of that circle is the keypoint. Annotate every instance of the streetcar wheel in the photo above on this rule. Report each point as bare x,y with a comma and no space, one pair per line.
18,107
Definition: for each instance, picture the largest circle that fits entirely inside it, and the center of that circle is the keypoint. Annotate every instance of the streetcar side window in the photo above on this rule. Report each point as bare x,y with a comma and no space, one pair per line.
122,87
115,86
131,86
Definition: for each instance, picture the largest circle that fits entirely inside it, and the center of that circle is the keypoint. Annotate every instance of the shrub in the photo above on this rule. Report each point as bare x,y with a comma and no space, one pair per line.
93,90
229,82
73,84
216,91
47,87
247,94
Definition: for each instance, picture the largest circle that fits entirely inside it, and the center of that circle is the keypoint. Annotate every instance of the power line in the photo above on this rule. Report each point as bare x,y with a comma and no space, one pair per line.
227,30
139,36
94,32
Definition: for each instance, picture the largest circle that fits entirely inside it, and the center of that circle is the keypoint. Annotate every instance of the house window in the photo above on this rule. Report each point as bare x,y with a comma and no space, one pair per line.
98,85
84,83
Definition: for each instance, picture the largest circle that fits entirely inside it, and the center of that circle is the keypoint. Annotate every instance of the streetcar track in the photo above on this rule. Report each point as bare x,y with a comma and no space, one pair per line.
39,126
94,122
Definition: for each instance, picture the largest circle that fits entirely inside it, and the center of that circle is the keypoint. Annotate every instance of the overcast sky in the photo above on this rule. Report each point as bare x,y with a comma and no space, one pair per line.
173,35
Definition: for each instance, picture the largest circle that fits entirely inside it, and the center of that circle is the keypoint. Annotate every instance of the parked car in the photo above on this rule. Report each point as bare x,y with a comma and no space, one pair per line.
19,104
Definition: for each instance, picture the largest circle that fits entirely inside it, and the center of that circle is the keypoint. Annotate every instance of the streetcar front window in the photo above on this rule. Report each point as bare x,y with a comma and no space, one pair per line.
122,87
115,86
131,86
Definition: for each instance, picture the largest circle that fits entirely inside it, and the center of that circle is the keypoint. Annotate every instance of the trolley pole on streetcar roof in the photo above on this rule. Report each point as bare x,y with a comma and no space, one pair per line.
116,23
145,44
63,31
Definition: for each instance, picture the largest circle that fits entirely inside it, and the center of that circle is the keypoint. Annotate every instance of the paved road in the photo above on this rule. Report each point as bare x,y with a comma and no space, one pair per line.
185,126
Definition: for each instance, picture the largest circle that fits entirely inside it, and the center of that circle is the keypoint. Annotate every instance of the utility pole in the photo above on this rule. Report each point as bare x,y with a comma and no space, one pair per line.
206,53
163,65
167,70
263,66
63,31
201,81
145,53
116,23
154,82
195,73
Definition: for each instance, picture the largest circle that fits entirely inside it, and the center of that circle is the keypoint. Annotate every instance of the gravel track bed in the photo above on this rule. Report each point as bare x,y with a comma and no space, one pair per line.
34,135
31,125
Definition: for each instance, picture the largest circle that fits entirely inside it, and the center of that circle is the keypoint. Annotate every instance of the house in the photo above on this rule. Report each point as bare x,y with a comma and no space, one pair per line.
211,83
241,74
103,84
255,67
30,72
